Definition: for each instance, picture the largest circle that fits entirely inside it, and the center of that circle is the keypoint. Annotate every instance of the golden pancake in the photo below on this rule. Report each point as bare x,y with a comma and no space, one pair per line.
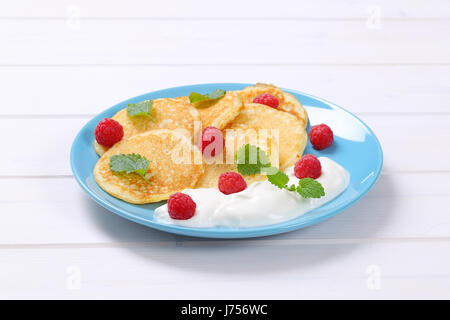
288,102
221,112
291,130
168,113
99,148
165,172
234,139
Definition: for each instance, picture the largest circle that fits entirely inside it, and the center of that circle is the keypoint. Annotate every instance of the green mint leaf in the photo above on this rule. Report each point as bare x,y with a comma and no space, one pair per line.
268,170
280,179
291,188
216,94
142,108
310,188
251,159
196,97
129,163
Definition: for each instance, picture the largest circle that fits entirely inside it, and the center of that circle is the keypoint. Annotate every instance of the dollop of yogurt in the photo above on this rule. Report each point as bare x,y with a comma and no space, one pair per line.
261,203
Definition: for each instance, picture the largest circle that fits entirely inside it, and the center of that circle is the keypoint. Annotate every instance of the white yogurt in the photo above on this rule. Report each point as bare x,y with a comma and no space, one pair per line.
261,203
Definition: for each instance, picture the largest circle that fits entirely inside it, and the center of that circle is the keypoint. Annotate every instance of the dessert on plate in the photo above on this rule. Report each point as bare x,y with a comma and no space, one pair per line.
222,159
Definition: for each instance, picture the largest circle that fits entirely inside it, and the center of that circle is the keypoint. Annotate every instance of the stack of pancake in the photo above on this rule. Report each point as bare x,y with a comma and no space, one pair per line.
172,128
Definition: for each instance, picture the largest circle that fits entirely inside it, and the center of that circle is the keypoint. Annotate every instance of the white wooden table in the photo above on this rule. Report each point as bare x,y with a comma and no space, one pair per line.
61,62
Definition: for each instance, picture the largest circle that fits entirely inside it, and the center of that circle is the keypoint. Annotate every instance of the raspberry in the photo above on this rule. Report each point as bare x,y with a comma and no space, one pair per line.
108,132
181,206
267,99
321,136
231,182
308,167
209,136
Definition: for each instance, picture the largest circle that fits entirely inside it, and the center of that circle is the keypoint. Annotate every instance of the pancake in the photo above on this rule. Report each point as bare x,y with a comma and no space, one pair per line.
288,102
165,175
222,112
99,148
234,139
292,132
168,114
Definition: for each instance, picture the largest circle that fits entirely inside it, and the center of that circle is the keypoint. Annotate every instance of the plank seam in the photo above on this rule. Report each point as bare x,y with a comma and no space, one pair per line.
224,243
381,64
264,19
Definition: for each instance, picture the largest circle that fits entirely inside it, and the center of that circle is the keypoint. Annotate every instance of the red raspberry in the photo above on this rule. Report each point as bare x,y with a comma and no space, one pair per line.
308,167
231,182
321,136
181,206
267,99
108,132
209,135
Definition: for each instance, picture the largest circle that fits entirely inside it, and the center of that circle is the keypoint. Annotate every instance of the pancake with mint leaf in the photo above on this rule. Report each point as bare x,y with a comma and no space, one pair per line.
291,130
165,113
217,108
145,168
226,161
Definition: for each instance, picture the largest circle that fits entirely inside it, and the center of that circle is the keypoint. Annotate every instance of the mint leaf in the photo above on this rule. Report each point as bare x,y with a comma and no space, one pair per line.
142,108
279,179
310,188
216,94
291,188
251,159
129,163
196,97
269,170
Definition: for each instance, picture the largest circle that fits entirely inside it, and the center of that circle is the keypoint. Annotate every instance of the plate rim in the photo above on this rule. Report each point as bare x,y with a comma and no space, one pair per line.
234,233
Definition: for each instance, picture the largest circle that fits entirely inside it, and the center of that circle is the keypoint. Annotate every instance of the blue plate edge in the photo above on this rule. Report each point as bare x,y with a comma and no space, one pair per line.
229,233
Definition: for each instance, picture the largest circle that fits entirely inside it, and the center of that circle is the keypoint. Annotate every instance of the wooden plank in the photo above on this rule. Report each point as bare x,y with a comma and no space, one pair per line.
402,140
400,9
45,211
181,42
89,90
234,270
42,145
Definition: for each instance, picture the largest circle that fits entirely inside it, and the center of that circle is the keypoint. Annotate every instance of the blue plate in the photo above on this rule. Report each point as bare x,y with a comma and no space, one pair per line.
355,147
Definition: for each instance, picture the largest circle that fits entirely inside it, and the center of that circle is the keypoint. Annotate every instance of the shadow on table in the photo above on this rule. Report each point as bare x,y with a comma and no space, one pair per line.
301,249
